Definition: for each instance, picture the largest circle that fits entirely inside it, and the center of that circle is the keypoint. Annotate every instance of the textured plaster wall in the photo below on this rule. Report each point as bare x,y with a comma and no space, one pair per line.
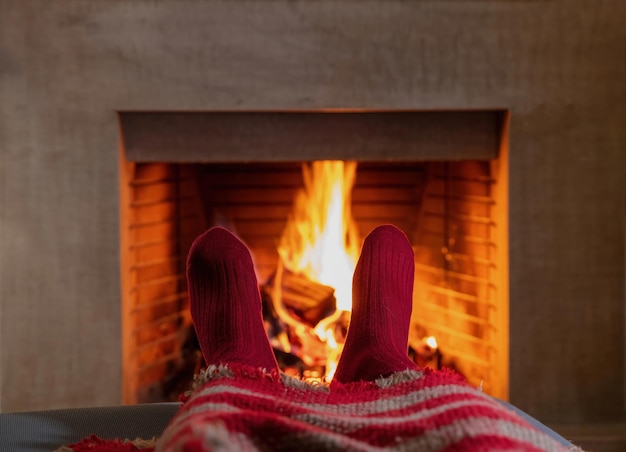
557,65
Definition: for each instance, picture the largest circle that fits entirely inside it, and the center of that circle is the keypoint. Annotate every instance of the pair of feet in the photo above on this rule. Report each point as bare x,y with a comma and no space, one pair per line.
227,313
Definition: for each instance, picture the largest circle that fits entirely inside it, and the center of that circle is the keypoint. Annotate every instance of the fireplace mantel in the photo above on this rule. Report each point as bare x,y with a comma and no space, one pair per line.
223,136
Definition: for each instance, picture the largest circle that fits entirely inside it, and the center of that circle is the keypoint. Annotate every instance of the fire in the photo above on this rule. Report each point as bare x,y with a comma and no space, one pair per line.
320,240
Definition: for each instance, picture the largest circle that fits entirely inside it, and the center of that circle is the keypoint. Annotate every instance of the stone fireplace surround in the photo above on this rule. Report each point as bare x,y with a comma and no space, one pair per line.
67,68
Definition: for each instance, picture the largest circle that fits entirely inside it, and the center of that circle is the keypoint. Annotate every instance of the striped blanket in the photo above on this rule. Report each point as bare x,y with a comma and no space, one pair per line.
239,409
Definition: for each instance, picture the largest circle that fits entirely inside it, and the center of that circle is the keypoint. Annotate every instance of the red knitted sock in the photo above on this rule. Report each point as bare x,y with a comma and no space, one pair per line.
382,300
226,303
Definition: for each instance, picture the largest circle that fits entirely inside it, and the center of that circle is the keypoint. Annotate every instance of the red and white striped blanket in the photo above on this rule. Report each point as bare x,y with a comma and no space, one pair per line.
239,409
236,408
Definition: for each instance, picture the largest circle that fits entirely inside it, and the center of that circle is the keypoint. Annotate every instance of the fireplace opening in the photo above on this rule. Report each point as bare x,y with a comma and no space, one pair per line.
453,212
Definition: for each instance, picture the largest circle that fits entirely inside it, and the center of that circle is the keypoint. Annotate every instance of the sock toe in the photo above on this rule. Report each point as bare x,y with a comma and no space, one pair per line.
225,301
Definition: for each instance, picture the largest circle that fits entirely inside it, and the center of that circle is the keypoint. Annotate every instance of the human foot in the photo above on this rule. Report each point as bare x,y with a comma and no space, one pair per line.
226,303
382,298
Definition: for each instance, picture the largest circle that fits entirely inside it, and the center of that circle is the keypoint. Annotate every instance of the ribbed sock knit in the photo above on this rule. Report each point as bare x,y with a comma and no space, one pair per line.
226,303
382,299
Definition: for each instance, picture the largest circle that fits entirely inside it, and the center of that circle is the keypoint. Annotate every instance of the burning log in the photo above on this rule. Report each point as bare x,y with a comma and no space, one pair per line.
297,299
310,301
295,307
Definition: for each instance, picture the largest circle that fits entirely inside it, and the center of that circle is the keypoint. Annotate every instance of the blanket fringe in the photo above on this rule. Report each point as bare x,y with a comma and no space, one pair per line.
305,385
214,372
94,443
397,378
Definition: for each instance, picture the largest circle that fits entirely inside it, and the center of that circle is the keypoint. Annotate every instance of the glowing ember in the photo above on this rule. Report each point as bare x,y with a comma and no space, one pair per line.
431,342
321,241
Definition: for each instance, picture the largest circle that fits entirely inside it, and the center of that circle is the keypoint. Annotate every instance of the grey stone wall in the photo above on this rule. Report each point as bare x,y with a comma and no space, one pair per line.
67,67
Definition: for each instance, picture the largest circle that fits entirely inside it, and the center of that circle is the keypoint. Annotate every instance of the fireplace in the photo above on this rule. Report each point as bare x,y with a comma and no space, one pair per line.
67,74
439,176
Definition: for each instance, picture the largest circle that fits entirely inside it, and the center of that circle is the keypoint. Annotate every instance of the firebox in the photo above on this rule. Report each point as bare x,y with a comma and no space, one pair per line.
439,176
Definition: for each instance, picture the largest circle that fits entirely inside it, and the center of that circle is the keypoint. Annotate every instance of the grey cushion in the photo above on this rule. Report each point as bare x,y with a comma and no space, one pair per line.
37,431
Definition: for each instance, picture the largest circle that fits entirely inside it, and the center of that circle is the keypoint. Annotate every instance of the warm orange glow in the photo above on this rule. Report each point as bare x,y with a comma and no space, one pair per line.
321,241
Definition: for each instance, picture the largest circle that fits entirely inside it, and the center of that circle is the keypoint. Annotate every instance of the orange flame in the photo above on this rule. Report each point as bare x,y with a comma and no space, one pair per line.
321,240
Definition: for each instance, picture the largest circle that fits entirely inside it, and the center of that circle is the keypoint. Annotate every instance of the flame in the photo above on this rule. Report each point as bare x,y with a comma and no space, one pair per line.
320,240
